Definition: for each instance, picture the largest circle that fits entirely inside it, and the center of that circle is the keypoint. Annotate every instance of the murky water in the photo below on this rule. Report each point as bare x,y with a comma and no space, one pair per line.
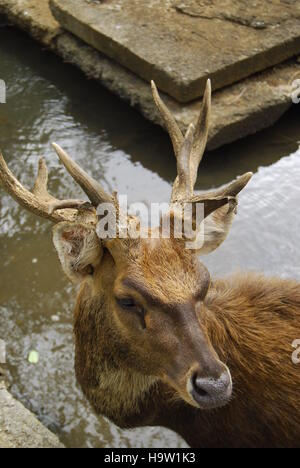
51,101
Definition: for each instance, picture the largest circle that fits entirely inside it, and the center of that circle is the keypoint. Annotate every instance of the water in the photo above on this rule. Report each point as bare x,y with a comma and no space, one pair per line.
51,101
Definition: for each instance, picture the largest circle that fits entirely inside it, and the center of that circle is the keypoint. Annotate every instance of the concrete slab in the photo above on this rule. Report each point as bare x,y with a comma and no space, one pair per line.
19,428
181,43
239,110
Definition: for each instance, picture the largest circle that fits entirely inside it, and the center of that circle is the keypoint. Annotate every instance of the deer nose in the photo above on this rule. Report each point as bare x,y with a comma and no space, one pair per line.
210,392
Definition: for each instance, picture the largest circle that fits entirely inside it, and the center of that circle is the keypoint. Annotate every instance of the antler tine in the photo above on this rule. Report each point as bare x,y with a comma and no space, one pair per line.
40,190
37,201
90,186
169,121
230,191
183,185
197,140
201,133
41,183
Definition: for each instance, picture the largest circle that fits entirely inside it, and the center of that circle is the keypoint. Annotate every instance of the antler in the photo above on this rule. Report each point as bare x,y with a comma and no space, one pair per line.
189,151
41,203
91,187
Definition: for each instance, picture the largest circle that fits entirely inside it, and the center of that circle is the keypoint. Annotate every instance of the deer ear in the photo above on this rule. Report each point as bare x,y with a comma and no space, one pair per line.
78,248
217,227
220,208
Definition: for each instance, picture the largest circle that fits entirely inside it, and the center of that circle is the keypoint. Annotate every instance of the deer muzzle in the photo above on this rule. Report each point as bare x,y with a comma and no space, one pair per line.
210,392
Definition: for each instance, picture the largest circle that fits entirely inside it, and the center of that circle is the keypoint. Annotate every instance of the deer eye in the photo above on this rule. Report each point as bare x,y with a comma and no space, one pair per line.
130,305
126,303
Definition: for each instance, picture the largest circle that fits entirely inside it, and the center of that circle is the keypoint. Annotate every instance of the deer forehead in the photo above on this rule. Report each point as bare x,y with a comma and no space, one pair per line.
163,274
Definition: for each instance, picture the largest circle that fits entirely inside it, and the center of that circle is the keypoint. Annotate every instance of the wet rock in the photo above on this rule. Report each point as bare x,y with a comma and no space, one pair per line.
180,44
19,428
32,15
238,110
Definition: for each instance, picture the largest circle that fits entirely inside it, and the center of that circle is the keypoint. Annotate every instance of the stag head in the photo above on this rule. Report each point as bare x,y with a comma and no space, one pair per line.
140,308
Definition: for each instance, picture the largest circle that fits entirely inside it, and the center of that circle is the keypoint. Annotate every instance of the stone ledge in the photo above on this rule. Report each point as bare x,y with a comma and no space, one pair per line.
239,110
182,44
32,16
19,428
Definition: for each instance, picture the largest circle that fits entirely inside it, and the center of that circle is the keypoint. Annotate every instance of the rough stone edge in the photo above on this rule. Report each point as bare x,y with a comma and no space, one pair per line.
75,17
239,110
19,428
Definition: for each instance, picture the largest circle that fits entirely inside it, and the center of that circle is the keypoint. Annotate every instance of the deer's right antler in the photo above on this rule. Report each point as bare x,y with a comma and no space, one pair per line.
189,151
41,203
219,205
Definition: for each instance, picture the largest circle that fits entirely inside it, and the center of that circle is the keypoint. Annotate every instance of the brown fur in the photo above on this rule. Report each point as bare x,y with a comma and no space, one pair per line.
247,322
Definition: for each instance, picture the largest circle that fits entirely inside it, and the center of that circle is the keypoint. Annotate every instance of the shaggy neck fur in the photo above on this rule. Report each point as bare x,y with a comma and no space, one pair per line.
102,364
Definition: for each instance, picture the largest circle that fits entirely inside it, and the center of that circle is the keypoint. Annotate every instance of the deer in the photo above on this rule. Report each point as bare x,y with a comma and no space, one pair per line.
158,342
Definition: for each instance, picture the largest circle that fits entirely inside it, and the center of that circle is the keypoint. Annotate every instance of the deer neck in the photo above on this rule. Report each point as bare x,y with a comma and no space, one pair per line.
125,395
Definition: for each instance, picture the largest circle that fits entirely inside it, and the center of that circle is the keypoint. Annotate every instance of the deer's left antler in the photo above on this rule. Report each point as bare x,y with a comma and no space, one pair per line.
41,203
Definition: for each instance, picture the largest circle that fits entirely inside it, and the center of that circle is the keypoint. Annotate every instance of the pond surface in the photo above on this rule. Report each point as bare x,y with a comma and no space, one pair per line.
51,101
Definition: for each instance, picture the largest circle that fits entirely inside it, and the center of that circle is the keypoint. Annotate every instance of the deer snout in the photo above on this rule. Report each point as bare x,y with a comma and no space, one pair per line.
210,392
